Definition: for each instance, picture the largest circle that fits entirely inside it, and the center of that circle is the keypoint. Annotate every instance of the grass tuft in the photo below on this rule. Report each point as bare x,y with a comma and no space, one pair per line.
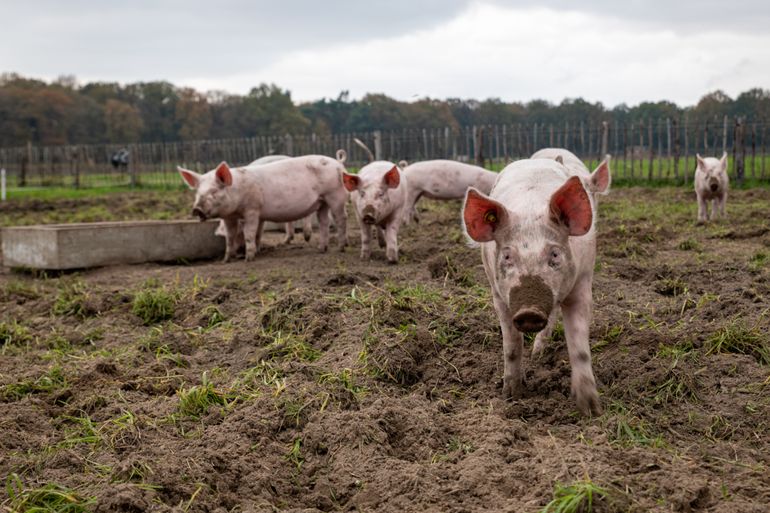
196,401
13,334
74,300
738,338
49,498
154,305
48,382
578,497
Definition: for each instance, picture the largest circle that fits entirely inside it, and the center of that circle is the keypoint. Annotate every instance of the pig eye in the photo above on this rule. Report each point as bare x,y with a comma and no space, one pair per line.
379,194
554,258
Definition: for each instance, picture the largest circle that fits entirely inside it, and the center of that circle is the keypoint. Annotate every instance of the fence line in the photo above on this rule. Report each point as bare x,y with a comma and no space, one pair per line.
643,150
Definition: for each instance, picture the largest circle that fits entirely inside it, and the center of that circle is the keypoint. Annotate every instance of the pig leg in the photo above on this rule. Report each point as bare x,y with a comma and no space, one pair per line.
366,241
231,238
289,227
323,227
258,238
341,224
307,227
702,209
577,318
252,226
381,237
410,206
513,345
391,240
722,202
544,336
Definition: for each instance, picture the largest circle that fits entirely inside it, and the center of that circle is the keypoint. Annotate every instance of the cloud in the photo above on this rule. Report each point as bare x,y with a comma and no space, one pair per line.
519,54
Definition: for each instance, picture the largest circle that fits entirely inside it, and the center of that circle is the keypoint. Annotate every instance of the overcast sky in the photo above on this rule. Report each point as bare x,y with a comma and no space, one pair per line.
601,50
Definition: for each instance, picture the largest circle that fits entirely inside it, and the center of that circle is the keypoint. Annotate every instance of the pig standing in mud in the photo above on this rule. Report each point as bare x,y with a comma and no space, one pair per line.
711,184
307,222
442,180
281,191
538,247
378,192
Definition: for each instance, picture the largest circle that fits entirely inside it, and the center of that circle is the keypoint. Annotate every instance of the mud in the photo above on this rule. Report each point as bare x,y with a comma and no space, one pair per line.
341,385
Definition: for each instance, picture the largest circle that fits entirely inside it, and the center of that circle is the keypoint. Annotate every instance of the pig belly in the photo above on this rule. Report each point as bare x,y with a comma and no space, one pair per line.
280,207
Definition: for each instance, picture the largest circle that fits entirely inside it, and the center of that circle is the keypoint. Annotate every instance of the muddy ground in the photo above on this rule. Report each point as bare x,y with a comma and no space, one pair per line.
317,382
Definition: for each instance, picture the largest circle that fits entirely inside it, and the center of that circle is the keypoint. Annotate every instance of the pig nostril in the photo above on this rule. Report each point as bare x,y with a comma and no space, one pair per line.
530,320
714,187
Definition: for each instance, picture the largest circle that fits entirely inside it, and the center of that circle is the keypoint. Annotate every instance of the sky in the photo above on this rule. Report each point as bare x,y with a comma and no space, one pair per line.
518,50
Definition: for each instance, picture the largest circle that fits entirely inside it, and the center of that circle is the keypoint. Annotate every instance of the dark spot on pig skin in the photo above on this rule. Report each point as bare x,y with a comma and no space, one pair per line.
531,293
583,357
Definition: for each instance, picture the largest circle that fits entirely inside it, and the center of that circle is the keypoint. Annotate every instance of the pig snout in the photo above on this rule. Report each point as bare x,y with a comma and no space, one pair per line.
368,215
713,186
198,212
530,320
531,302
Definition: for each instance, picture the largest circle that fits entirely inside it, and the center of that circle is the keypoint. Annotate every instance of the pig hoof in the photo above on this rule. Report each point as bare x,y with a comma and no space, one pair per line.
588,403
512,388
307,236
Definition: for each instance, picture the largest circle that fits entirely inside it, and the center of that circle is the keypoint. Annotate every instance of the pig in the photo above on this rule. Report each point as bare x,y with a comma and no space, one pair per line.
711,185
538,247
597,182
281,191
442,180
378,193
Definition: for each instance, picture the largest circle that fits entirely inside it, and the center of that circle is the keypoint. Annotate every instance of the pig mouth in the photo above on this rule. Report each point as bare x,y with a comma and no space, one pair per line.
531,303
369,219
198,212
368,216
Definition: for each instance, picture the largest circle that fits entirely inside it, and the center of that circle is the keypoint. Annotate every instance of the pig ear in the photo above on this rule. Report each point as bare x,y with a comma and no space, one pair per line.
601,177
351,182
701,163
392,178
191,178
223,174
559,159
482,216
571,207
723,160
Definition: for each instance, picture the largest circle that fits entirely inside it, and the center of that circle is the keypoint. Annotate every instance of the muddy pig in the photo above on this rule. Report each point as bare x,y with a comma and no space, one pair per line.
538,247
378,193
442,180
281,191
711,185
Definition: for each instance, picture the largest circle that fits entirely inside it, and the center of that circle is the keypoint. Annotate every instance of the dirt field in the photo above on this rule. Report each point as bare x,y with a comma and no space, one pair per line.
317,382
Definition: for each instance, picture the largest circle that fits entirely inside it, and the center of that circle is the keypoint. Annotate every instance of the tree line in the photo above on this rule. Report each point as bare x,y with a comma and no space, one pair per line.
66,112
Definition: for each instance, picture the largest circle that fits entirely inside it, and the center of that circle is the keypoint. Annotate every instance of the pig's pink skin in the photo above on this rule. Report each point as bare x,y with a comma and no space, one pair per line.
442,180
596,182
281,191
711,172
528,242
372,194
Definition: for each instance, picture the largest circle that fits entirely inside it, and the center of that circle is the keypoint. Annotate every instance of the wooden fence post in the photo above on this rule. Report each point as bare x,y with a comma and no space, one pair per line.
675,126
652,150
479,144
605,139
738,150
378,145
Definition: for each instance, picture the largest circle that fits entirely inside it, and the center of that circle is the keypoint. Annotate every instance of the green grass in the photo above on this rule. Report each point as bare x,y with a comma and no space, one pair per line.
578,497
196,400
80,431
739,338
13,334
51,498
153,305
73,300
294,455
292,348
52,380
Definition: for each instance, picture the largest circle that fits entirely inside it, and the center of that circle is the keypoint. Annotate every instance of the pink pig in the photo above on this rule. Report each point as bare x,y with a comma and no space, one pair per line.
442,180
538,247
378,193
711,183
281,191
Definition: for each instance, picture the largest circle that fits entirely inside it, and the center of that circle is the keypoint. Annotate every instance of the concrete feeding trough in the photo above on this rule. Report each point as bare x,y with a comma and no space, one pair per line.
81,245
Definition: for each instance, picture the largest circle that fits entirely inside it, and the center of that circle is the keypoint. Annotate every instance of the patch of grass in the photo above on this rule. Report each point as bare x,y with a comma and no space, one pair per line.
690,245
196,400
17,288
121,432
578,497
154,305
344,381
758,261
81,431
13,334
264,373
611,336
52,380
293,348
454,447
670,287
49,498
738,338
214,316
627,429
74,300
679,385
294,455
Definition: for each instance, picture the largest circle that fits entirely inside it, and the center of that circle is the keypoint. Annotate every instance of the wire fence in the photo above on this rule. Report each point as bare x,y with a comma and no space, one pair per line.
642,151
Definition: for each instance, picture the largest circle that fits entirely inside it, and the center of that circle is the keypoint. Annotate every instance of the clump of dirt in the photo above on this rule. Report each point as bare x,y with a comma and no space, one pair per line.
312,381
